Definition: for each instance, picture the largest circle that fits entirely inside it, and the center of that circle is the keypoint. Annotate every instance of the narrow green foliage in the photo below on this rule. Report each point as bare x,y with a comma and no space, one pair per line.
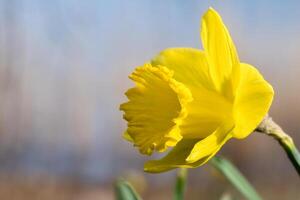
180,184
233,175
124,191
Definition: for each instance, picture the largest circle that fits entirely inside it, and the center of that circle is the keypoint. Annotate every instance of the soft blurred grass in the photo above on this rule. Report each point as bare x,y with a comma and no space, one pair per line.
47,188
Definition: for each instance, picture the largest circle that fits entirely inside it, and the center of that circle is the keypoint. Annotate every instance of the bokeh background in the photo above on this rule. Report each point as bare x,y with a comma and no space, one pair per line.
63,74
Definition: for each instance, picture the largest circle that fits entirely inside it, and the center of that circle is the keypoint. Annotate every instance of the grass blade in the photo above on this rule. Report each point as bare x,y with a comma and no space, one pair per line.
180,184
235,177
124,191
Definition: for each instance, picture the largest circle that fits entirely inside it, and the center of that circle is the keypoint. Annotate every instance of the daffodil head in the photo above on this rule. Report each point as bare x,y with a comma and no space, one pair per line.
194,100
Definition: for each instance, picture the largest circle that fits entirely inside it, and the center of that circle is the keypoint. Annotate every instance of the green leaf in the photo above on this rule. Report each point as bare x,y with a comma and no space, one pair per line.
235,177
180,184
124,191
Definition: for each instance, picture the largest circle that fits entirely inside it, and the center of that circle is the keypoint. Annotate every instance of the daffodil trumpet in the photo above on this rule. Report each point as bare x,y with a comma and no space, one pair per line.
194,101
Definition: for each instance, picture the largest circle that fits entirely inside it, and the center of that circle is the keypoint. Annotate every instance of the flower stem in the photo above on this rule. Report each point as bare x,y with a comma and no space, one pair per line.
269,127
180,184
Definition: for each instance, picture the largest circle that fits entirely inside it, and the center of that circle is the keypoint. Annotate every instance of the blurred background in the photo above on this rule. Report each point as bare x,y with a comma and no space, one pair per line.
63,74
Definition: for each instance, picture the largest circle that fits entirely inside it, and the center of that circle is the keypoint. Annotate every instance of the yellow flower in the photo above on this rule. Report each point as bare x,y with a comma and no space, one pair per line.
194,100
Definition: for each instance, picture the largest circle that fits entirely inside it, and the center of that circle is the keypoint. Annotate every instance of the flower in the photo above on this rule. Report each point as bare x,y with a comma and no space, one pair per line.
194,100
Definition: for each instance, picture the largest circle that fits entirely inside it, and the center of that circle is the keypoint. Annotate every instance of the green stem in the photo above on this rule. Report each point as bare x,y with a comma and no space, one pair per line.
180,184
269,127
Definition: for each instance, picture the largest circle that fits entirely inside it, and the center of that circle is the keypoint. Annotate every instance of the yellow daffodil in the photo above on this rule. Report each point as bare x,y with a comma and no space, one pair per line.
194,100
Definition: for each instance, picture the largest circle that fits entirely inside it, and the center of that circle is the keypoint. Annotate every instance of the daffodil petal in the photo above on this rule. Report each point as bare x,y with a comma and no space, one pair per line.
177,157
211,144
253,100
174,159
221,53
189,65
205,113
155,109
209,108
